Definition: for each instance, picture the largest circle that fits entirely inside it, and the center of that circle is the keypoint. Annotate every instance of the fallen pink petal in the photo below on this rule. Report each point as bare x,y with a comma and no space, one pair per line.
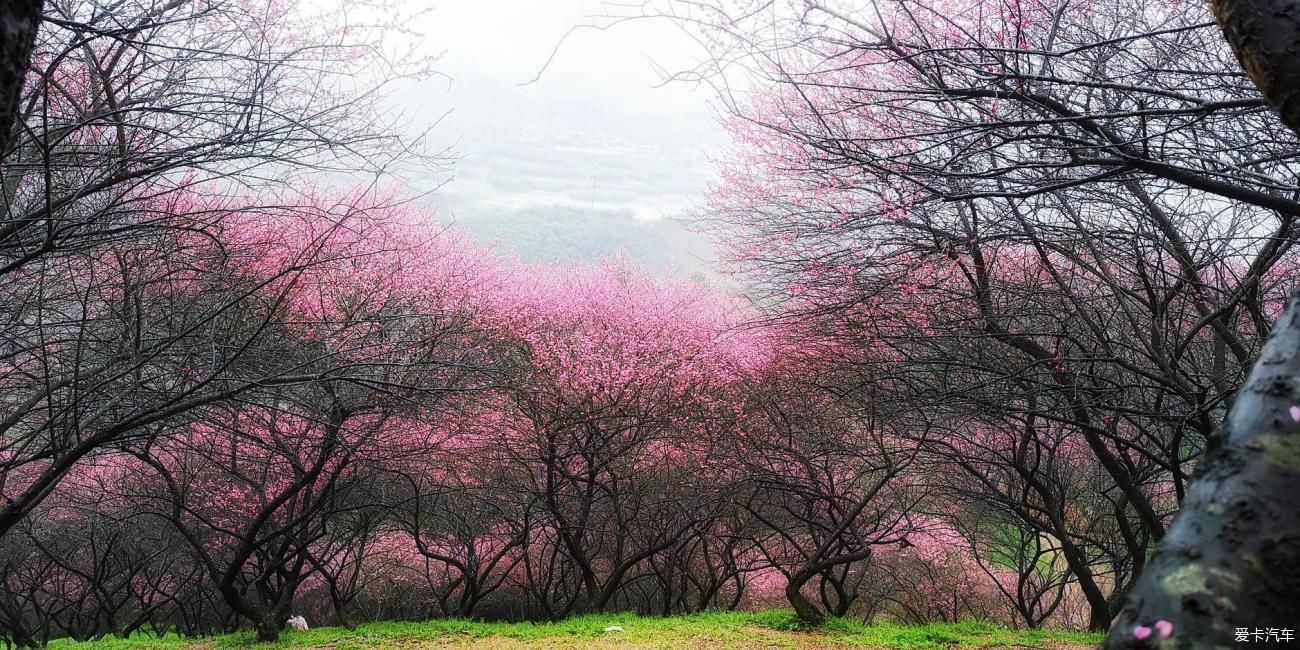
1164,629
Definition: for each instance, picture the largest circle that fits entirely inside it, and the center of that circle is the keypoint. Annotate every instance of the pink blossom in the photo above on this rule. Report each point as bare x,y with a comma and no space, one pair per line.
1164,629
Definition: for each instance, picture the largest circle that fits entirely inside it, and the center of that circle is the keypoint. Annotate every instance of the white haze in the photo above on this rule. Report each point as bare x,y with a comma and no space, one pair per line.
593,154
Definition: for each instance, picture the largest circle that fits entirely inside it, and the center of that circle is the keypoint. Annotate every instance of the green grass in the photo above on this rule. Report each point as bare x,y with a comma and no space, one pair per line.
769,629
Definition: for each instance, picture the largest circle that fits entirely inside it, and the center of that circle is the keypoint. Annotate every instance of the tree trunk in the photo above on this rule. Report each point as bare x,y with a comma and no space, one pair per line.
268,628
1232,558
19,21
1265,35
1098,616
804,609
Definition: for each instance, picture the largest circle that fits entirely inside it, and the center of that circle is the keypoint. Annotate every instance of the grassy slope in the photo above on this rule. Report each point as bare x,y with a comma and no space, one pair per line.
773,629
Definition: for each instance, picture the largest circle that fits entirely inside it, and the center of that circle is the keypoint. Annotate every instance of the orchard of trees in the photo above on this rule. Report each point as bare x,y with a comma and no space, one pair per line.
1009,264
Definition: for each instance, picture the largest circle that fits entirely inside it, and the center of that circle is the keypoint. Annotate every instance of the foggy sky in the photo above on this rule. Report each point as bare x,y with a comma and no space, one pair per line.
589,156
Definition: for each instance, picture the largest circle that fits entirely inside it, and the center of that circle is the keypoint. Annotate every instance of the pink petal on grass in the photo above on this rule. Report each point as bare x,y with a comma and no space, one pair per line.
1141,632
1295,413
1164,629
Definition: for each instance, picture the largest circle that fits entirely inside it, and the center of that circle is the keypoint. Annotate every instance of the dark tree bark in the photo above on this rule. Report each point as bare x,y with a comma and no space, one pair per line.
1265,35
1232,558
804,610
19,20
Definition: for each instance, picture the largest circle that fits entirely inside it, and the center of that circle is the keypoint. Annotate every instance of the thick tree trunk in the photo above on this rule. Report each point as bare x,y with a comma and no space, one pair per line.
1232,558
268,628
19,20
1265,35
1098,617
804,609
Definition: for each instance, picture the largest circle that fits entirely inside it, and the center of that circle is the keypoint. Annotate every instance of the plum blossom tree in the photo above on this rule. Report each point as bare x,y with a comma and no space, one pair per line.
340,558
932,577
140,127
826,478
453,514
1022,563
481,438
251,487
248,500
617,381
1064,214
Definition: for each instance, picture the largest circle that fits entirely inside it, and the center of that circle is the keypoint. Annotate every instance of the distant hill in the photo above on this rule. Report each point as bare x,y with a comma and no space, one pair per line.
570,234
